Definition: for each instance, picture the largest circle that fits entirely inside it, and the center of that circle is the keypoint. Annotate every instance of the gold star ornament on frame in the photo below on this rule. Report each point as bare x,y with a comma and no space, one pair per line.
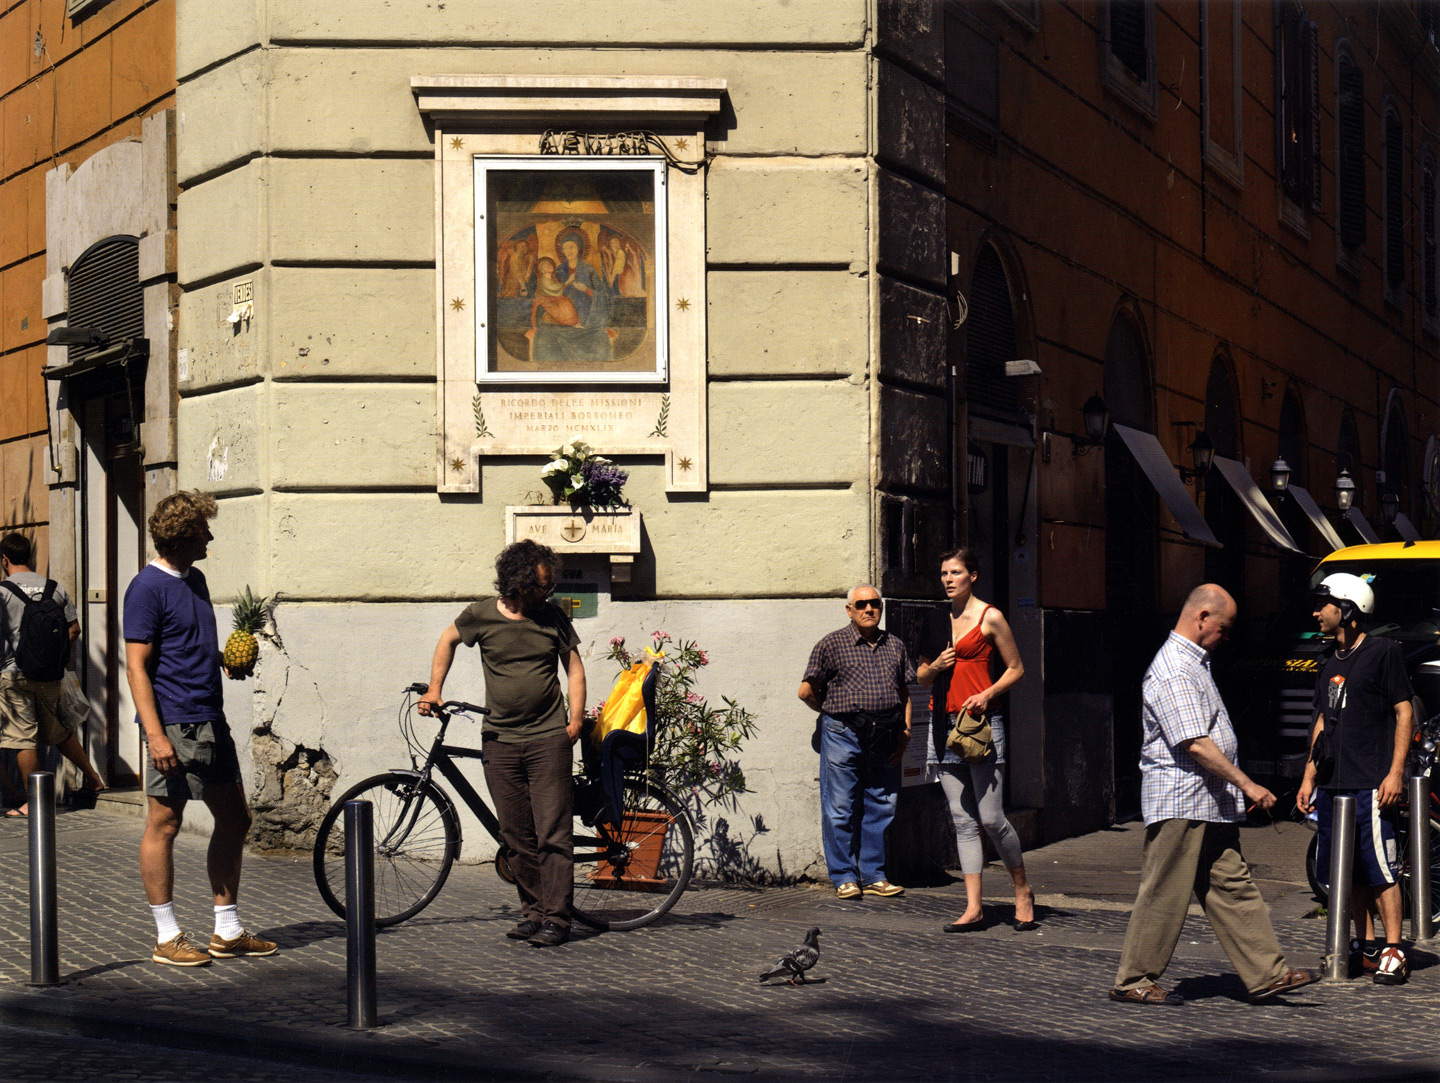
458,304
457,464
683,304
457,143
685,465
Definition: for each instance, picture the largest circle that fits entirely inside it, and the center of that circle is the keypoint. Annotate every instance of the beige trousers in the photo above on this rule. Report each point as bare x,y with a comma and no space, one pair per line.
1185,856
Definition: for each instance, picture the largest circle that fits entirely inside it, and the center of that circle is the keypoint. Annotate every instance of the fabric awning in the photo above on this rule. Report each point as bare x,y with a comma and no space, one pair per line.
1360,523
1239,479
1406,527
1156,464
1316,516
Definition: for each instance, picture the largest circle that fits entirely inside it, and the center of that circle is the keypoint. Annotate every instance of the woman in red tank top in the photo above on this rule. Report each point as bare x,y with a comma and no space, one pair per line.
955,659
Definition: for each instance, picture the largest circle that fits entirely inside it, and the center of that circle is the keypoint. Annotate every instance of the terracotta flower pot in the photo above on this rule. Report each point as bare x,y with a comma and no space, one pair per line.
644,833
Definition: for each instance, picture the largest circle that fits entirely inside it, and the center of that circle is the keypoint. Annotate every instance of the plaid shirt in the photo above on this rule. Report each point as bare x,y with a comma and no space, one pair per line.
849,674
1181,702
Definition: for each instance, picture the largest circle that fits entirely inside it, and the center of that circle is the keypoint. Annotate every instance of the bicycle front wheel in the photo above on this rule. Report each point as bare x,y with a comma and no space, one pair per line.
627,878
417,839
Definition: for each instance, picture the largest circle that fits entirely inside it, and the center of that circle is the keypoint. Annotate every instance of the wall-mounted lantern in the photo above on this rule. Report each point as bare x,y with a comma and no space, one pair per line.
1389,506
1202,455
1344,491
1280,474
1097,424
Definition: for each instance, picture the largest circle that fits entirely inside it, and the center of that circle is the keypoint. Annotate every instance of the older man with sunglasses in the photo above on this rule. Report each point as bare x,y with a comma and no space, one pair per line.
858,680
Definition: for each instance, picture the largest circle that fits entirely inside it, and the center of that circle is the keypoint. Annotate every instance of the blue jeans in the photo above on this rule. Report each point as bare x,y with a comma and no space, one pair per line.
851,776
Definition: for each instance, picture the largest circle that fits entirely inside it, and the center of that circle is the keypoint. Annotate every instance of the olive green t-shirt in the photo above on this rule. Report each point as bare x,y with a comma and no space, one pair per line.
521,660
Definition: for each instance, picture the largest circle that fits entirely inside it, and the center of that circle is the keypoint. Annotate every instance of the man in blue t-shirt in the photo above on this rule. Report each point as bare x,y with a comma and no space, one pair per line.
173,661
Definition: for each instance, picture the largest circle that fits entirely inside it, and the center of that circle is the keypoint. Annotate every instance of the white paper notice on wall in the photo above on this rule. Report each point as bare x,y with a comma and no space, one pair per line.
182,363
218,461
245,310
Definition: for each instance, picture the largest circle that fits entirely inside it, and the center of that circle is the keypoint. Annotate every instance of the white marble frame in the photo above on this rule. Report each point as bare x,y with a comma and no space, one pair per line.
485,263
507,116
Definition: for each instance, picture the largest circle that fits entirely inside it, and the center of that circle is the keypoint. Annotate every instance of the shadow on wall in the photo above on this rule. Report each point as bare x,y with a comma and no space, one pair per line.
726,853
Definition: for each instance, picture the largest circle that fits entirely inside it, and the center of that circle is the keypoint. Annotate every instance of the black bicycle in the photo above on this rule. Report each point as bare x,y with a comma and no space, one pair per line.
627,874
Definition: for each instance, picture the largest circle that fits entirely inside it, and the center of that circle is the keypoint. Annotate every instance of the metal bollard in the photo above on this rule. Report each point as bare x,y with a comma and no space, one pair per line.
1422,925
1342,864
44,932
360,913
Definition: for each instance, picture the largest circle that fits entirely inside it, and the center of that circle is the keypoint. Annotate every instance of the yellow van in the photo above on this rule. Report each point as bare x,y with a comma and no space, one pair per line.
1276,704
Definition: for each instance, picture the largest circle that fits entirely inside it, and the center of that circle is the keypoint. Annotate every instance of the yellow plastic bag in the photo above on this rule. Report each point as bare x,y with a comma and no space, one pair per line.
624,709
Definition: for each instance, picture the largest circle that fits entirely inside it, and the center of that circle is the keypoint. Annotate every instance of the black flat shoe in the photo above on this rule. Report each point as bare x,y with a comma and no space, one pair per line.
1025,926
967,927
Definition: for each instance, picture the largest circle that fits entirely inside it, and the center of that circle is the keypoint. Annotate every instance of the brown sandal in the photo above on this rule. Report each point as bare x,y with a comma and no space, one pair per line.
1146,994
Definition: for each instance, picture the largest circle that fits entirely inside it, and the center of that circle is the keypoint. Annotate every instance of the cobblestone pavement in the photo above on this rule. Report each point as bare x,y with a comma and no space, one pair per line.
87,1060
459,1001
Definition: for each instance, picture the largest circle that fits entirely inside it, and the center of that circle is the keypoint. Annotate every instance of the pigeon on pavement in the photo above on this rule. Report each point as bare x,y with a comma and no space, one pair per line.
794,964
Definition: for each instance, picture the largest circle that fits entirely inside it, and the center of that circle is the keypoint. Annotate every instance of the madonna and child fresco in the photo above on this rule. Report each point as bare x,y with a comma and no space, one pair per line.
574,263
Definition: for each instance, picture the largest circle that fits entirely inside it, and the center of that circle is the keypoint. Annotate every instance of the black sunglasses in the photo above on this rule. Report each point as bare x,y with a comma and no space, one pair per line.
868,603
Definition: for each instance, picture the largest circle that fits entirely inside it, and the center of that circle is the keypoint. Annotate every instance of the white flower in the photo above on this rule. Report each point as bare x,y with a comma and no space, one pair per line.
577,482
554,466
568,450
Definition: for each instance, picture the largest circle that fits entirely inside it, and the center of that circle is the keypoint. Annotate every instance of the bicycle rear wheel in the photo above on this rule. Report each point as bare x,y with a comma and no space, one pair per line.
417,839
625,879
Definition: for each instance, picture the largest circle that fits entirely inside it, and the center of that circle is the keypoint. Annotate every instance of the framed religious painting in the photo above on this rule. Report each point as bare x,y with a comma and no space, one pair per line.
571,270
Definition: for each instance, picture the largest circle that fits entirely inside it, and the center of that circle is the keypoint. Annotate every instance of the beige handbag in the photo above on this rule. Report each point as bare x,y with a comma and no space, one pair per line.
970,737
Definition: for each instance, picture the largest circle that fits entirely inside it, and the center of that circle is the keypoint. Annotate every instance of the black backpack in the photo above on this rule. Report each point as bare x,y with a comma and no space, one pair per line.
44,647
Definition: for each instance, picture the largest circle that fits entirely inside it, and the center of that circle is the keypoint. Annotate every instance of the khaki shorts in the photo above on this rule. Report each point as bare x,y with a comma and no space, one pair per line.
29,712
206,752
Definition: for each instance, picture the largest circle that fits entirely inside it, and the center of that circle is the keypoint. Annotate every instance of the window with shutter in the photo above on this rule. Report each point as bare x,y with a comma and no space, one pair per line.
1297,107
1312,110
1128,38
1429,292
1350,166
990,342
1394,209
104,292
972,73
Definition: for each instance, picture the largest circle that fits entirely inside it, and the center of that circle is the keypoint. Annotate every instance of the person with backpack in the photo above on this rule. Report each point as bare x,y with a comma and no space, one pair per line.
37,628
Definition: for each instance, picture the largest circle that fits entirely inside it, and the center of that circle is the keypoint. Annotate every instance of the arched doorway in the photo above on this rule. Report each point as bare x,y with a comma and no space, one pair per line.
1290,446
1129,553
1395,458
1223,510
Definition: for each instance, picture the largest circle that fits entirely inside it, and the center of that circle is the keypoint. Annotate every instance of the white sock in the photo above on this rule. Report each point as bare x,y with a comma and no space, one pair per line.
166,928
227,922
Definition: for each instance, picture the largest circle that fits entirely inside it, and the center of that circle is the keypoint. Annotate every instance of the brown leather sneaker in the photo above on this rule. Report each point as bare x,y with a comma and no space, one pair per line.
244,944
179,952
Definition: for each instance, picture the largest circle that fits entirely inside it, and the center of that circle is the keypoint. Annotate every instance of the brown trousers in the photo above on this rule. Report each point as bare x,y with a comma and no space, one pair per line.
1185,856
530,784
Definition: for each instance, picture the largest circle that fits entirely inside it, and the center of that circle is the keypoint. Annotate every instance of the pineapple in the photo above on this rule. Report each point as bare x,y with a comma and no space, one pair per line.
242,649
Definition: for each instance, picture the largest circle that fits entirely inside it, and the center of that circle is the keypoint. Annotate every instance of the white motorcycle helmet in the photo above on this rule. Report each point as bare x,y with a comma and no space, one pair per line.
1349,592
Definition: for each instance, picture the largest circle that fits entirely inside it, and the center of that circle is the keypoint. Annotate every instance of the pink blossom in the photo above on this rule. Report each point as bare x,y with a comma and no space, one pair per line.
691,697
704,658
661,637
715,768
617,641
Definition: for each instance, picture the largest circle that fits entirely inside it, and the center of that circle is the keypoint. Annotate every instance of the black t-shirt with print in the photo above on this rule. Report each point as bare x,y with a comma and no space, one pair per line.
1357,692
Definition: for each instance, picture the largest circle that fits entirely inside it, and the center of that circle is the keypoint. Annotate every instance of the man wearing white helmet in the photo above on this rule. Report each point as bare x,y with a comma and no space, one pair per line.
1358,745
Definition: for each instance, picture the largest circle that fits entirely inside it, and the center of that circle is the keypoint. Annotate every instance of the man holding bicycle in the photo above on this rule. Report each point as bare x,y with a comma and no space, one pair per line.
1363,721
524,639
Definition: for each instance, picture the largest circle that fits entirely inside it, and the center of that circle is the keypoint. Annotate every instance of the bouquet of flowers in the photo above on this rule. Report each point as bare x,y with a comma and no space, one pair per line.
580,478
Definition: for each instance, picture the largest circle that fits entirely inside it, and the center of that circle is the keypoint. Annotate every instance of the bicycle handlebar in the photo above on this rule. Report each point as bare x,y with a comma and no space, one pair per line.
450,705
